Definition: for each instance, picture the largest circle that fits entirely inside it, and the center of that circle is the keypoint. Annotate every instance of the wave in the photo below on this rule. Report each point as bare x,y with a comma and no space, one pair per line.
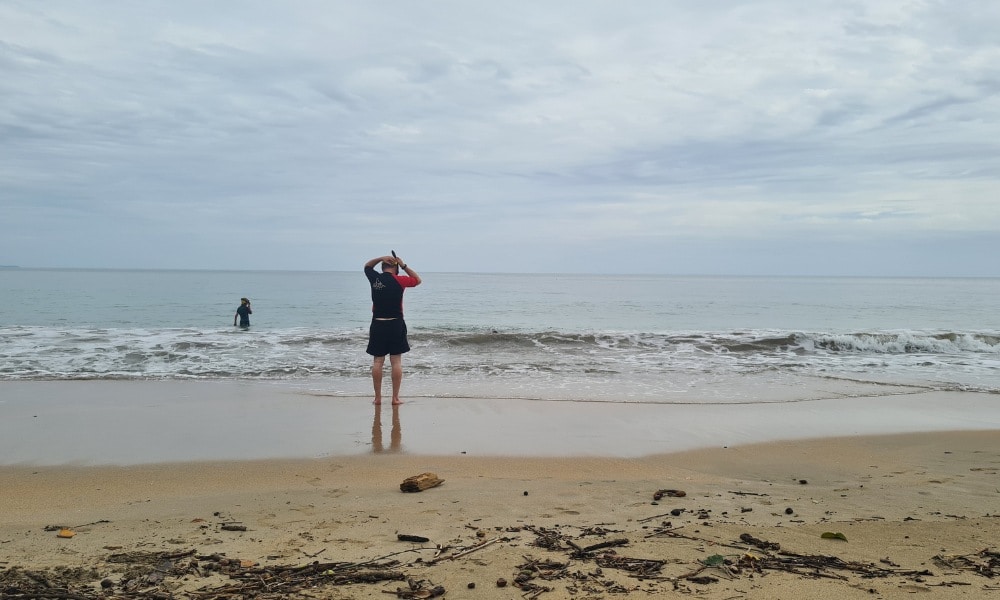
906,342
70,353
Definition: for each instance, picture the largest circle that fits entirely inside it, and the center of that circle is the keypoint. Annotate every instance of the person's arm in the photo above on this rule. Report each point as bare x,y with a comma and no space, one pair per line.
236,316
402,265
371,264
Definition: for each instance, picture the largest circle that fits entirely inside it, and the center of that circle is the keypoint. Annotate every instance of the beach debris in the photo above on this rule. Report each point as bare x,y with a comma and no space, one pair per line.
637,567
829,535
65,533
461,553
235,526
660,494
549,539
419,589
714,560
540,569
405,537
599,546
759,543
421,482
986,562
166,575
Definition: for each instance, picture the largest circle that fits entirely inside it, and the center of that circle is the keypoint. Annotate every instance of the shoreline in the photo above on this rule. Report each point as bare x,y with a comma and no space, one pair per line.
149,422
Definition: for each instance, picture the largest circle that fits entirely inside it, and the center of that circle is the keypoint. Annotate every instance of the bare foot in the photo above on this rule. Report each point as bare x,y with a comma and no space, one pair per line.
396,401
378,400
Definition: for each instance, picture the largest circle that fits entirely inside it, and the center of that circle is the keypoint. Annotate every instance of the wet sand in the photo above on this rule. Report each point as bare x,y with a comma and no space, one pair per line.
138,422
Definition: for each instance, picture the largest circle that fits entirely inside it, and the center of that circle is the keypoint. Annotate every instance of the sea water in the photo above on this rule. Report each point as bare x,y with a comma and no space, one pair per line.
601,338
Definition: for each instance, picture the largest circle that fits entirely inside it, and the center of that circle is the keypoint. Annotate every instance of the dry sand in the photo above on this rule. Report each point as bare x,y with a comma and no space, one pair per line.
917,511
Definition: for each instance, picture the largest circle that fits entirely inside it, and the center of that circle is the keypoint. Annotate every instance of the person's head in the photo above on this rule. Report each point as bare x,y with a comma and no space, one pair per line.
389,267
244,301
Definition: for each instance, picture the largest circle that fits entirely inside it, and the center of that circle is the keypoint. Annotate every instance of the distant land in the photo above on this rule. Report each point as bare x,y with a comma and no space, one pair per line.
9,267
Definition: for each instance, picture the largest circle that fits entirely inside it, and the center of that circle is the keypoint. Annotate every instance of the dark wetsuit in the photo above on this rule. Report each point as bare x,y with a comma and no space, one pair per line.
244,313
387,334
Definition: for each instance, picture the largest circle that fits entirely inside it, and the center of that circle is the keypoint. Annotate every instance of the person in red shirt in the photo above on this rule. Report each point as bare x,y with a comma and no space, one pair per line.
387,333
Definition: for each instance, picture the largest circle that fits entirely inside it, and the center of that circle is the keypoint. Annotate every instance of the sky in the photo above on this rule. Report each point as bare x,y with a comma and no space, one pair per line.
770,137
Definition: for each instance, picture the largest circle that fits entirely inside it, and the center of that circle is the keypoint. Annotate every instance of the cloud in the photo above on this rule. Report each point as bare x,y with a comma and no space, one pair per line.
323,131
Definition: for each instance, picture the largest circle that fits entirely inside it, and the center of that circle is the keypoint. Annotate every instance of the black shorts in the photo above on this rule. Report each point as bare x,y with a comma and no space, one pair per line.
387,337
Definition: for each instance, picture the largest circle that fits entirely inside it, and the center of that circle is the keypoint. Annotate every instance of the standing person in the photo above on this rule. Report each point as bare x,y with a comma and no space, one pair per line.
387,334
243,313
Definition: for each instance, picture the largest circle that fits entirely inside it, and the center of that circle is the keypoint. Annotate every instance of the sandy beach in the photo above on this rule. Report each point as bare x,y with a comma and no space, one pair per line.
903,515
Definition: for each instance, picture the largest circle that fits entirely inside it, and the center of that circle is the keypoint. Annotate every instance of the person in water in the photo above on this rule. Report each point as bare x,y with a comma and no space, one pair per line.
387,333
243,313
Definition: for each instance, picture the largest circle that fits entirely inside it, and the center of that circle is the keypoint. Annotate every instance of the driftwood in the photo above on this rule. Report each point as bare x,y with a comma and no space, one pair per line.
659,494
419,483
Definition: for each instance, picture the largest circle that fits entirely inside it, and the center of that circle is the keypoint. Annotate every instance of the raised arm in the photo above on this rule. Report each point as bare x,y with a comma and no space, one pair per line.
411,273
371,264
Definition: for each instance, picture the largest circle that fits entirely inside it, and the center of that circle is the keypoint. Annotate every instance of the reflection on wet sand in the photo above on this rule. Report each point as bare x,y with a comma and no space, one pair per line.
395,437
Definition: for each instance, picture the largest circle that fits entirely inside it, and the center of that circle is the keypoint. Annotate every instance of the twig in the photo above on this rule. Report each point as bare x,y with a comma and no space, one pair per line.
466,551
607,544
94,523
654,517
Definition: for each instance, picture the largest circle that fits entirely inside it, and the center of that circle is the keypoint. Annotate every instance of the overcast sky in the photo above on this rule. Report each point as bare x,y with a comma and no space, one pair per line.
690,137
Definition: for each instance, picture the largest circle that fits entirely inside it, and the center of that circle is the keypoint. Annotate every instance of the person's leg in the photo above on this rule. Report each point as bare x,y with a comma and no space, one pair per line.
377,377
396,363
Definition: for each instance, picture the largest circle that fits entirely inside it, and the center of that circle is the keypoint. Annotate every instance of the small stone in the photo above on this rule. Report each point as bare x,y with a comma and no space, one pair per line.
803,482
501,582
789,511
525,492
106,583
472,585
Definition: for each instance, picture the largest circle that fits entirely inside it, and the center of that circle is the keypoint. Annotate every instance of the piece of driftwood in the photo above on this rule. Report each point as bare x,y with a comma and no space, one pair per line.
419,483
603,545
660,494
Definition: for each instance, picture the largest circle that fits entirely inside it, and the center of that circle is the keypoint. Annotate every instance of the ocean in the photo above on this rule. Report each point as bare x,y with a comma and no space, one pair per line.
594,338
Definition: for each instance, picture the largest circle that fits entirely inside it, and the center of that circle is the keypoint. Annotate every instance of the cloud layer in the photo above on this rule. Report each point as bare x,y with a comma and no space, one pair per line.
767,137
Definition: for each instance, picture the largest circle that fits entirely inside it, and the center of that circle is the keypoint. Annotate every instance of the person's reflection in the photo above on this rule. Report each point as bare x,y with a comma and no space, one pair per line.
395,437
